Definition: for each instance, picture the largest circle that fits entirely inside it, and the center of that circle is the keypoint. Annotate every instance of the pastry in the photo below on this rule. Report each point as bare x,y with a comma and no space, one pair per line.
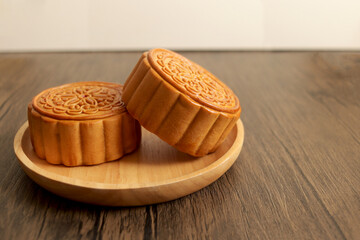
83,123
181,102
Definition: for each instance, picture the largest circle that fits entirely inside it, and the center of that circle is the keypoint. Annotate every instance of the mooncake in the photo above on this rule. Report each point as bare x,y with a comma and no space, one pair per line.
83,123
181,102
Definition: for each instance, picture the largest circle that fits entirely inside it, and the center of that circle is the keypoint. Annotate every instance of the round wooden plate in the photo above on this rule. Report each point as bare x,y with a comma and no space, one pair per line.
155,173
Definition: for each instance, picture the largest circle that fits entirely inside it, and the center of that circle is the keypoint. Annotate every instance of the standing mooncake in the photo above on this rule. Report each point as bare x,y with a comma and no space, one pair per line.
181,102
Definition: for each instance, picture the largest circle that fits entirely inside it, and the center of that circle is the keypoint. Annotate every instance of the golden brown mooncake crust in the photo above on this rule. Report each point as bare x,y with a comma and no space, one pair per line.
80,101
181,102
82,123
193,80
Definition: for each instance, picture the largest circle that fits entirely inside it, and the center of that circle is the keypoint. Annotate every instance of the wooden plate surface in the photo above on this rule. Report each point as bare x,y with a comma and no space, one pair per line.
155,173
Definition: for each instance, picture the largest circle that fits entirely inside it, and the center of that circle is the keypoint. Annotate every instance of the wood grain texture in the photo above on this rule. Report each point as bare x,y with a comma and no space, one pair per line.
297,176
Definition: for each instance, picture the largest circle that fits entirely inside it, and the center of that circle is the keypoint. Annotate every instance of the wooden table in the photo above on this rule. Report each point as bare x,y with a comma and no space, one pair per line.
297,177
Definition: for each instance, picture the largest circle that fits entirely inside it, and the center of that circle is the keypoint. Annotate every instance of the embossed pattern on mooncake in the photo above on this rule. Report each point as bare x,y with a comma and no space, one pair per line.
87,100
193,80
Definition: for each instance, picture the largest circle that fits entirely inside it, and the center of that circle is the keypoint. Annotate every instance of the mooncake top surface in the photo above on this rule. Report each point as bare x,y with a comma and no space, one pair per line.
80,101
193,80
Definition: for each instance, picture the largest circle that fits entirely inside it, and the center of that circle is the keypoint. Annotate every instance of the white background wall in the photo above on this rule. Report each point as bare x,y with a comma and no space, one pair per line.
41,25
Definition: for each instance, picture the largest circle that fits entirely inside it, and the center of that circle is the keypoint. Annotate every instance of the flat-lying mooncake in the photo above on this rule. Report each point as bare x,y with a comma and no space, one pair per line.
82,123
181,102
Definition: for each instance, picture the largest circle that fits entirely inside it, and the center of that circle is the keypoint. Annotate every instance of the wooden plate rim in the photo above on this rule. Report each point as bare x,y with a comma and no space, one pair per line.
27,163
